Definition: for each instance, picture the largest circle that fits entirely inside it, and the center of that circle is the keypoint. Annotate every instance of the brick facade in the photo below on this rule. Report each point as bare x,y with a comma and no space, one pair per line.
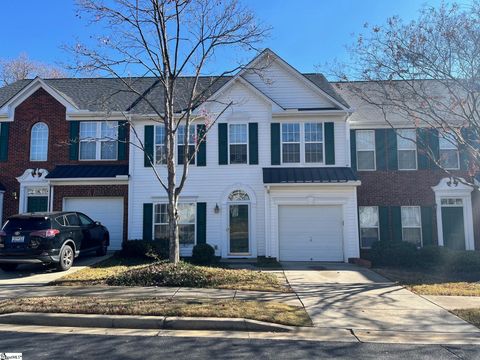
42,107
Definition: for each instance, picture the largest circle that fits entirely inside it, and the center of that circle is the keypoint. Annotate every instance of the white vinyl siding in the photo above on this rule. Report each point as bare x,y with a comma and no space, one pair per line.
98,140
186,223
449,155
365,149
412,225
407,149
369,226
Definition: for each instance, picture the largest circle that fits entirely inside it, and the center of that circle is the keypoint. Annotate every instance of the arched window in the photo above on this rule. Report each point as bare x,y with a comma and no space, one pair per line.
39,142
238,195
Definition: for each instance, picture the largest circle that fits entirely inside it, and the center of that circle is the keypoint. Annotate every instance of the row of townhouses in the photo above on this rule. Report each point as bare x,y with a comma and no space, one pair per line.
297,169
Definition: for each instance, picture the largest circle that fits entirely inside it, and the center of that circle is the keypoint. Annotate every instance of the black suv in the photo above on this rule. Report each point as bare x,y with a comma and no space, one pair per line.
55,237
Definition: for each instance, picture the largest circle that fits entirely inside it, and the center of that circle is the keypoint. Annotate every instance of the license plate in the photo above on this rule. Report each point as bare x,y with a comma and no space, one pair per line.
18,239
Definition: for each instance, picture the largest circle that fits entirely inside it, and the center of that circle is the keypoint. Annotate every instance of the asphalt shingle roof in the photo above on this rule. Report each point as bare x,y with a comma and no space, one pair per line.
283,175
87,171
113,94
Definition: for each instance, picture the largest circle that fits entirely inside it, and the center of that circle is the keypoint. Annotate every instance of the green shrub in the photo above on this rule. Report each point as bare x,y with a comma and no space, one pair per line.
203,254
393,253
148,249
432,255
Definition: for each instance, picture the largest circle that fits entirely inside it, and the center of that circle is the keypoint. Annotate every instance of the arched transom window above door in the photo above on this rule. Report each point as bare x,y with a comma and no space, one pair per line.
238,195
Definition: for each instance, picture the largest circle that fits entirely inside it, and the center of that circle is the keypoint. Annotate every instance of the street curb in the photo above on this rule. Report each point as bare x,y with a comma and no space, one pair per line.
141,322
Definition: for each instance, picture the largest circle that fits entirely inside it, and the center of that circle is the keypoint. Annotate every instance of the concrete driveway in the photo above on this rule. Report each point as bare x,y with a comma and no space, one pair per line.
351,297
36,275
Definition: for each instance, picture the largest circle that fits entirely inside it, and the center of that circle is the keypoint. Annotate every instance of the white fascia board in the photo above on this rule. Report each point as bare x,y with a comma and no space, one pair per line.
96,115
7,110
301,113
312,184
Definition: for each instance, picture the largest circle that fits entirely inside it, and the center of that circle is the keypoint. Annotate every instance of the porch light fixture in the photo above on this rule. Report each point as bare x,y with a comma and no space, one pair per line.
14,195
216,209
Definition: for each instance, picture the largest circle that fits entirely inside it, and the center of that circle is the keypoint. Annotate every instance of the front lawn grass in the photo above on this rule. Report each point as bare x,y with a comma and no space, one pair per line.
269,311
434,281
470,315
119,271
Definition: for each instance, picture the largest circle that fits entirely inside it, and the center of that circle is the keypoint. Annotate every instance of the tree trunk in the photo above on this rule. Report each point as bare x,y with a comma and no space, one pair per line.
174,240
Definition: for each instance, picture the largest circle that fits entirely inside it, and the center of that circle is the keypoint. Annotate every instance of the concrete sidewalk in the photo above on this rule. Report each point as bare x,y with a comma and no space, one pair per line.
135,292
454,302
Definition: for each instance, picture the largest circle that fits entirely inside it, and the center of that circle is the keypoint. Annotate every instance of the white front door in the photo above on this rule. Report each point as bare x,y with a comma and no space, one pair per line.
107,210
310,232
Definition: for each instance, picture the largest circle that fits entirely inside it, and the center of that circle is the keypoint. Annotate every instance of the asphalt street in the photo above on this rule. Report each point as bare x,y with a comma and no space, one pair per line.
78,346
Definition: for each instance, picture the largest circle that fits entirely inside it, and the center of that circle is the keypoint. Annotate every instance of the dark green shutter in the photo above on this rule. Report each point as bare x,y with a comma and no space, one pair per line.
147,221
434,147
427,225
463,148
148,146
380,149
202,149
223,144
253,143
396,226
122,140
201,223
329,143
353,150
4,131
275,143
74,139
383,223
392,155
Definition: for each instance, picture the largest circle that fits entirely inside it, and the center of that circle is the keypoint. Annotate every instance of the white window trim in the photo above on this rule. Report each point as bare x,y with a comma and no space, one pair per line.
302,143
370,227
31,142
413,227
415,150
229,143
374,151
177,144
98,140
189,246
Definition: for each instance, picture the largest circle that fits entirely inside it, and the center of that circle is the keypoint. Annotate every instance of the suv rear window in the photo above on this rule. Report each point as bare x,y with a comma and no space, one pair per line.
27,224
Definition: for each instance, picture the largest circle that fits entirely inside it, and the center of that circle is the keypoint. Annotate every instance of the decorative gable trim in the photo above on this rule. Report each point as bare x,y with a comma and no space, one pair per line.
7,111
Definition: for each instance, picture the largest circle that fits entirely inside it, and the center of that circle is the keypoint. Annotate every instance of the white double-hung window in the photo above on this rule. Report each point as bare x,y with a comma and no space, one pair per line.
98,140
407,149
365,149
412,225
181,143
369,226
302,143
238,143
186,225
449,155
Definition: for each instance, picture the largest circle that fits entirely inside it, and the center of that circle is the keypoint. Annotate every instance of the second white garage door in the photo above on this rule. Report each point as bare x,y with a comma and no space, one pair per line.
107,210
310,233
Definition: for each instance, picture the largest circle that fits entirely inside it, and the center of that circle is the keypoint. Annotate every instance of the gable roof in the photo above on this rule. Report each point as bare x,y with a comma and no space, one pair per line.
135,94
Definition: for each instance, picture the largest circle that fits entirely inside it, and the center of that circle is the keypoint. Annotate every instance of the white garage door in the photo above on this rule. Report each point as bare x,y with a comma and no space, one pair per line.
109,211
310,233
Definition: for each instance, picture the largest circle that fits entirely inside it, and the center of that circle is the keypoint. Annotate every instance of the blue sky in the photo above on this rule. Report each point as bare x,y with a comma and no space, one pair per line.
306,33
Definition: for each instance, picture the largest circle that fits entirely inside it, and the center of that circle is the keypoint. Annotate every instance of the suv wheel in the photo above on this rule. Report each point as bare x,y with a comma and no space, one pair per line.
8,267
102,250
66,258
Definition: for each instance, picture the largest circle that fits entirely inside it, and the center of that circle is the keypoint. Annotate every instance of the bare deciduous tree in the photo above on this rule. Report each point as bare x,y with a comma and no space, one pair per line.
23,68
424,73
167,39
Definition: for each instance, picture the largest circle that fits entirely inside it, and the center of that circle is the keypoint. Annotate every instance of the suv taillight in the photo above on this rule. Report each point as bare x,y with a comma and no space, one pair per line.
2,238
49,233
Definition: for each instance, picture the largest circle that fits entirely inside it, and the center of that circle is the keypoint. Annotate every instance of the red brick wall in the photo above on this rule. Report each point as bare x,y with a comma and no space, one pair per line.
63,191
40,106
403,188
